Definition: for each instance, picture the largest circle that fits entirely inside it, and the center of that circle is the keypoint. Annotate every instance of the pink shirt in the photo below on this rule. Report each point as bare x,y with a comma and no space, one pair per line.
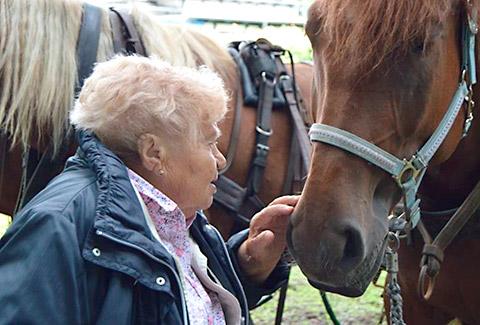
170,223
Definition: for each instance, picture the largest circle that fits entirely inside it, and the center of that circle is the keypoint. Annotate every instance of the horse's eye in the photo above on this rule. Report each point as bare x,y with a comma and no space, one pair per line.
418,46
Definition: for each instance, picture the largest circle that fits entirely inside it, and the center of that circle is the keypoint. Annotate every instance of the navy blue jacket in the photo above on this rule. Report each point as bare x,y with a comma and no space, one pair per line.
81,253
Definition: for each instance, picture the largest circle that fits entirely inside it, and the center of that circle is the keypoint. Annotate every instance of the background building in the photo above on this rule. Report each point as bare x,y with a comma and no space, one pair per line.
280,21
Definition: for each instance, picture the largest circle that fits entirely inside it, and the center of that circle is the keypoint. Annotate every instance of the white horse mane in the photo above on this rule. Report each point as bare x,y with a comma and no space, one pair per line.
38,62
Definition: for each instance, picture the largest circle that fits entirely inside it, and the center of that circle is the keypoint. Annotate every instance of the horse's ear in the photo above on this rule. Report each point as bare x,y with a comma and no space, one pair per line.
312,26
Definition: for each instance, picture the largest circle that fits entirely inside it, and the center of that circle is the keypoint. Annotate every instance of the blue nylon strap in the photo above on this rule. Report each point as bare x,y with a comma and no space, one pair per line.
356,145
470,31
381,158
426,153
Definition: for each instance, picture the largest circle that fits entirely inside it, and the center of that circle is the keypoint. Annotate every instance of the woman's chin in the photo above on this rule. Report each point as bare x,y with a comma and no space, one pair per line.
213,188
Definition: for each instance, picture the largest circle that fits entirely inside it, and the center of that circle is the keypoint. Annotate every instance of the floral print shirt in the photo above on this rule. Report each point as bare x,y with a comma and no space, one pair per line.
203,305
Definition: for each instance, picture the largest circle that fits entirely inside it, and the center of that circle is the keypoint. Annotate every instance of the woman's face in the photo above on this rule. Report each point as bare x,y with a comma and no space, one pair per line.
191,170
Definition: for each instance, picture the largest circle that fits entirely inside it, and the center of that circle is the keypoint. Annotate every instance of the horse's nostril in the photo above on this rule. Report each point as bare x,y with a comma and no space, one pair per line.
354,249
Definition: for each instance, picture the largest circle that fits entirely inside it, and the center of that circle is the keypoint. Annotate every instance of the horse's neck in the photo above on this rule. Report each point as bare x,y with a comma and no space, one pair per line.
448,184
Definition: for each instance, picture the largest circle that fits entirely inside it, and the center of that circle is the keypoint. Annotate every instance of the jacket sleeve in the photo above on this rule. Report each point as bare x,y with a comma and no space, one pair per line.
40,267
253,292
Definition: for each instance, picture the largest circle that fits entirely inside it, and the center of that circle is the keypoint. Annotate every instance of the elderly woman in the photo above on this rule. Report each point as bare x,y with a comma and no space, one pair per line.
119,237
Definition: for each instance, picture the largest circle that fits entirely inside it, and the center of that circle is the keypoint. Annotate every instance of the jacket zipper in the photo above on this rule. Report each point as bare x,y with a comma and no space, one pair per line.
177,278
225,250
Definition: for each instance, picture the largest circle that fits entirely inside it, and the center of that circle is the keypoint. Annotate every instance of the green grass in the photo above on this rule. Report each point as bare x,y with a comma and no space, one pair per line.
5,221
304,305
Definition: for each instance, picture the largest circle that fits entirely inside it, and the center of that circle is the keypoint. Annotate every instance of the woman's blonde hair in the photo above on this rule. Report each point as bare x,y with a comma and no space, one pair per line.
130,96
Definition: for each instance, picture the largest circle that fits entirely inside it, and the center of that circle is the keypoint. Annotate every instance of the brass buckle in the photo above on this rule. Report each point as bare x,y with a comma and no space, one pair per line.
408,167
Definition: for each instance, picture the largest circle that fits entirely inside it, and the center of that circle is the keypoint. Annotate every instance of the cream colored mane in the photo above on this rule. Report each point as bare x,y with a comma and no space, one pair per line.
38,62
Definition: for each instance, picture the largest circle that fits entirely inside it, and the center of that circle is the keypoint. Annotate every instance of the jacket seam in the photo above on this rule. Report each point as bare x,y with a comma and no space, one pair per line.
79,192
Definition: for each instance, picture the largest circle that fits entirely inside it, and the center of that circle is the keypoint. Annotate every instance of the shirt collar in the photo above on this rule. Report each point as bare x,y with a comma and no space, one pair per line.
148,190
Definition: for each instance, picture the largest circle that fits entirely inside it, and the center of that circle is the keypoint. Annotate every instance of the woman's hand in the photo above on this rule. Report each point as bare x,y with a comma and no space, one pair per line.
260,253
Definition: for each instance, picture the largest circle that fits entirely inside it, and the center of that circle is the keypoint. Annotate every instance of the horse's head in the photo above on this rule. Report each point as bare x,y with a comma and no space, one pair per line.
385,71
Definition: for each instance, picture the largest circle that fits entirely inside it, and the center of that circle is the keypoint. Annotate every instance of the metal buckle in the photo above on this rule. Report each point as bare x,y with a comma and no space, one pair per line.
408,166
262,147
469,113
264,132
471,17
268,77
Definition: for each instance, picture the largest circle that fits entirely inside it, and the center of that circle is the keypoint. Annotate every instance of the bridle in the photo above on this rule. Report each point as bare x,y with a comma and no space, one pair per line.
408,173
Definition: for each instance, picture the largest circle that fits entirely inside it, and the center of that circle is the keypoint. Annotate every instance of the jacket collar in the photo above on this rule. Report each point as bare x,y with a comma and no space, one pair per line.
118,212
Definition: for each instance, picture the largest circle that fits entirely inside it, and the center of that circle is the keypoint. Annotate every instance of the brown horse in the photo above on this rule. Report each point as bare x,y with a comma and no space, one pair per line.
37,90
386,71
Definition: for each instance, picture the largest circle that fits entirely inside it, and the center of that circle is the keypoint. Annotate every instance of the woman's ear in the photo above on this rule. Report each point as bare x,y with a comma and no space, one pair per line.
151,153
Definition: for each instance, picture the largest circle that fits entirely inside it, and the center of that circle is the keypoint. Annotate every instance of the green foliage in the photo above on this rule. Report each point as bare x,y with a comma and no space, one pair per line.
304,305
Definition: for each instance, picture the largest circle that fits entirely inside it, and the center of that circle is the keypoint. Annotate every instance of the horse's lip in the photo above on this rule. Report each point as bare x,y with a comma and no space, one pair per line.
344,291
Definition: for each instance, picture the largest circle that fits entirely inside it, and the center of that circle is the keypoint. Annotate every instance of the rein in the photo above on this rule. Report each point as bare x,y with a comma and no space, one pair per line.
408,173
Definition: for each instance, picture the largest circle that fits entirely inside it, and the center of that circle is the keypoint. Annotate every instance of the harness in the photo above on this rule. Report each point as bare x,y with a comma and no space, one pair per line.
39,168
408,173
266,86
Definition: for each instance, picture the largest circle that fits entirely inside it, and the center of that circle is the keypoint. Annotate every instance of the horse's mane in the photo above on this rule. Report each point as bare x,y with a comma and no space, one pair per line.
366,32
38,62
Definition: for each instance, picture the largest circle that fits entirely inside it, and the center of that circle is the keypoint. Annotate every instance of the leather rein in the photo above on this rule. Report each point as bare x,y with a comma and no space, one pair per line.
408,173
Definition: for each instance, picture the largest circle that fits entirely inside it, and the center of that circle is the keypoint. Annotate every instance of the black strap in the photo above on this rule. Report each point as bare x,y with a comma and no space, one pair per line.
122,24
236,201
3,158
40,168
298,122
87,44
263,132
243,202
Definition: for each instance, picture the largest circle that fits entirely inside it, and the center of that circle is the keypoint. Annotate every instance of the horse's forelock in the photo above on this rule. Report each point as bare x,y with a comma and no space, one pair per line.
364,33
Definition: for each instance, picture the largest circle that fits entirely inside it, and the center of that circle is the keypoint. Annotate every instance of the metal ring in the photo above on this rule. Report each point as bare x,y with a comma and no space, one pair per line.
262,131
424,278
394,241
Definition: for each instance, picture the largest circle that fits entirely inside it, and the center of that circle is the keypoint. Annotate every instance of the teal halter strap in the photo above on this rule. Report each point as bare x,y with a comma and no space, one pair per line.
408,173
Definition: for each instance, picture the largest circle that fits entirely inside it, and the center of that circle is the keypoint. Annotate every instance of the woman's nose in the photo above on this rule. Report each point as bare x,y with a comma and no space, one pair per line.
221,161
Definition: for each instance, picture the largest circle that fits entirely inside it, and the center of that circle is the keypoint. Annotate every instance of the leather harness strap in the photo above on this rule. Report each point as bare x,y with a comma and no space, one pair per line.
263,131
243,202
3,157
433,252
299,123
39,169
87,44
234,135
125,35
